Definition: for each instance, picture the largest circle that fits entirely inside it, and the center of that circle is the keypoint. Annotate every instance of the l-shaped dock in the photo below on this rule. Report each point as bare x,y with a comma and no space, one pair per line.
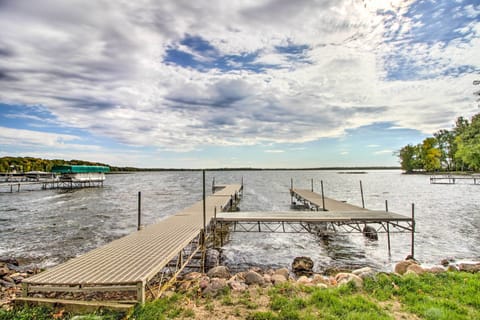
132,263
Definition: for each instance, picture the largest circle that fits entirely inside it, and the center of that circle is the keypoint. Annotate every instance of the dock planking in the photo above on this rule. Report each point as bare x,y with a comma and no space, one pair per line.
317,200
129,263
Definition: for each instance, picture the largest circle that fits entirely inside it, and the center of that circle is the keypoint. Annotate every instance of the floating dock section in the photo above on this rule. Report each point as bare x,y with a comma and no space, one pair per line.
131,263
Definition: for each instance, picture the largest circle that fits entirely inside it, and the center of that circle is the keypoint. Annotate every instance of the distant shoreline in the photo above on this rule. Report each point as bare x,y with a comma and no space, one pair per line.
357,169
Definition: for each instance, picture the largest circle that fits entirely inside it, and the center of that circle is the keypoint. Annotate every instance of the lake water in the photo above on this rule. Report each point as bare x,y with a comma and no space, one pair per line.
46,227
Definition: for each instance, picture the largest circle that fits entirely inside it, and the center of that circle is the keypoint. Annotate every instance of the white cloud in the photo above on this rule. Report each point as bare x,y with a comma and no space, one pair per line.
19,137
383,152
99,66
274,151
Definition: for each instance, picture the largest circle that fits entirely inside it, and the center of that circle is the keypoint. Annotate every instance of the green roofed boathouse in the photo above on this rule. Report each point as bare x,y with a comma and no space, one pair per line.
77,176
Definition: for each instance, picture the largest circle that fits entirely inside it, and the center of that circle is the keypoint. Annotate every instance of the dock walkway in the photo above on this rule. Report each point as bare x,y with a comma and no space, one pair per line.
129,263
330,214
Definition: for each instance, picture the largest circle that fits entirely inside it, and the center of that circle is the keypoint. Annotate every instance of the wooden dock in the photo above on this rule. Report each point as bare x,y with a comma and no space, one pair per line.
330,214
131,262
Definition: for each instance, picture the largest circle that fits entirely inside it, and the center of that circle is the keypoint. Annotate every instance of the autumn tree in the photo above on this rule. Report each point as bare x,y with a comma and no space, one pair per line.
430,154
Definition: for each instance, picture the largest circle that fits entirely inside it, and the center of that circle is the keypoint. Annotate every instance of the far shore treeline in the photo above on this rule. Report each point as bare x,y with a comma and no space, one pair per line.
25,164
457,149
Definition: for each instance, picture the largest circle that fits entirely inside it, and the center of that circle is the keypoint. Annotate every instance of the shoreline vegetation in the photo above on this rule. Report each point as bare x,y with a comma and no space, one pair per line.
18,165
452,150
412,291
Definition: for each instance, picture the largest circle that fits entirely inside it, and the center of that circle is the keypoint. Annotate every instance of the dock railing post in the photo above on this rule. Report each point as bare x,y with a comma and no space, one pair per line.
291,190
413,231
323,196
139,223
361,192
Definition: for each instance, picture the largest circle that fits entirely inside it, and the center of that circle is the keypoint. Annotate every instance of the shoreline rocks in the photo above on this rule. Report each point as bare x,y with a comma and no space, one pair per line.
219,279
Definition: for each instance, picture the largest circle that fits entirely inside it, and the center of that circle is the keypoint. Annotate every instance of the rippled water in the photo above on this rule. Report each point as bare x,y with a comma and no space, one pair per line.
49,226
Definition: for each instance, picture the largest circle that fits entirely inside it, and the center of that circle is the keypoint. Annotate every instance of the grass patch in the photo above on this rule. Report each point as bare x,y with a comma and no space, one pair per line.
165,308
46,313
451,295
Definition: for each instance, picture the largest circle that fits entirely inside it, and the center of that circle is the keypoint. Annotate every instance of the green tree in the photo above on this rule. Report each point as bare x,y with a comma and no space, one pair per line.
447,146
408,158
468,142
430,154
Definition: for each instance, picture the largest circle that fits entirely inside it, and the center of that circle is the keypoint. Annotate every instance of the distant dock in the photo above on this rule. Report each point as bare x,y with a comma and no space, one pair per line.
61,177
455,179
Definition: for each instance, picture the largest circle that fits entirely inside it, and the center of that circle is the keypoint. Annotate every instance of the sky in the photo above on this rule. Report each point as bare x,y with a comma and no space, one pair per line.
253,83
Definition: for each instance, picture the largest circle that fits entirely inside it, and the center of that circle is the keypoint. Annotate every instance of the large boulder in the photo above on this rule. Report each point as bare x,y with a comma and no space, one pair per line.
221,272
304,280
278,278
237,286
4,270
252,277
215,287
284,272
363,273
319,279
302,266
402,266
416,269
344,278
469,267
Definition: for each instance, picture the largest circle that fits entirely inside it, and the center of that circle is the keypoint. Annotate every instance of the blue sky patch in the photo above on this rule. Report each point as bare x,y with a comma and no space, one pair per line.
433,23
203,56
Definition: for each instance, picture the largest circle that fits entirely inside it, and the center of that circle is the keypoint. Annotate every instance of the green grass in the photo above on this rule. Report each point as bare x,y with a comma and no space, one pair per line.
46,313
451,295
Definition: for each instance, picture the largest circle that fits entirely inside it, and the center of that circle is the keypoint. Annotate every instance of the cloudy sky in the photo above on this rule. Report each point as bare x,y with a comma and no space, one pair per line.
254,83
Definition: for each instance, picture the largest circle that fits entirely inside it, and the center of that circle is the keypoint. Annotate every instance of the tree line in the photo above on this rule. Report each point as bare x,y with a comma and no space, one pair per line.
25,164
457,149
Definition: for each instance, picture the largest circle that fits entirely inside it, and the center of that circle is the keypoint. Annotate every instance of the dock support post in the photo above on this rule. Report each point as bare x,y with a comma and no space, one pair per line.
141,292
24,290
202,249
312,184
214,226
323,196
388,231
18,188
388,239
204,205
361,191
139,224
213,185
291,190
413,231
